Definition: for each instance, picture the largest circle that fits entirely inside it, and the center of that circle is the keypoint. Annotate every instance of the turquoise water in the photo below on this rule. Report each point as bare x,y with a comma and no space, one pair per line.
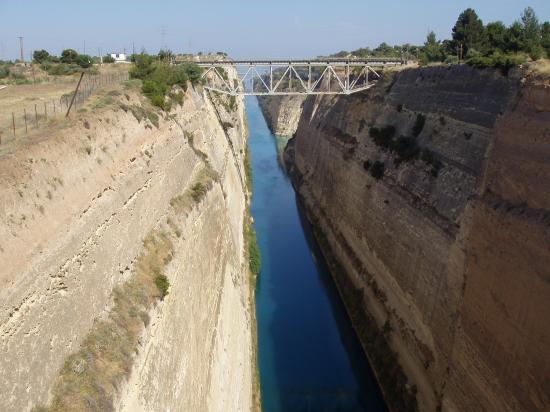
309,356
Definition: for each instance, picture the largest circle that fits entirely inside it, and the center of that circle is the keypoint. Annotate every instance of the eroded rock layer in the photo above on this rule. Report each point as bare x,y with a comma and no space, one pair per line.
282,113
430,198
76,208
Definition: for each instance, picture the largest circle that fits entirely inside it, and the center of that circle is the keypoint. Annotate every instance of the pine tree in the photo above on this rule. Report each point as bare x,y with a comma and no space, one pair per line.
469,32
545,38
531,33
496,36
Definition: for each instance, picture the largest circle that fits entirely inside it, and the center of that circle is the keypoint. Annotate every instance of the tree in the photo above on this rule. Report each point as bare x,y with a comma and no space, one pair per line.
108,59
496,36
383,50
513,38
545,37
165,55
68,56
83,60
531,33
469,31
362,52
40,56
432,50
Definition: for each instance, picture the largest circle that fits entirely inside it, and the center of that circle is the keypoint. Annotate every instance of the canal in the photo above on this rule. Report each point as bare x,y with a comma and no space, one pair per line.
309,356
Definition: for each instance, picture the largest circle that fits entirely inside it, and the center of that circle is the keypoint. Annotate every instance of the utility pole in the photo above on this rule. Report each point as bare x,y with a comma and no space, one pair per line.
21,49
84,52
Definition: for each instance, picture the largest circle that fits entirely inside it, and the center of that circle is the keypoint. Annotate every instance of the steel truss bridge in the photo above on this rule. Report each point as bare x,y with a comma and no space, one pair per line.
294,77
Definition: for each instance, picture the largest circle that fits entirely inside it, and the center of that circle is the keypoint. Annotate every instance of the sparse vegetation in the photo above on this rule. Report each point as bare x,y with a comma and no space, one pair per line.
162,283
248,169
159,78
89,378
382,137
404,148
377,170
198,191
254,256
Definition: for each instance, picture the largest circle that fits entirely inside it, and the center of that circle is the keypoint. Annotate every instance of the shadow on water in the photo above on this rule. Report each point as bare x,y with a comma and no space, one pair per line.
309,356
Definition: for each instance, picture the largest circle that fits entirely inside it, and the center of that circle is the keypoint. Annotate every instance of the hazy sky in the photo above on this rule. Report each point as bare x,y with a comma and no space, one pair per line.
244,28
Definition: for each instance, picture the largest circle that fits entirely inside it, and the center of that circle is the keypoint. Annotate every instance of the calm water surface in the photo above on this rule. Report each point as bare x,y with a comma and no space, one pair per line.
309,356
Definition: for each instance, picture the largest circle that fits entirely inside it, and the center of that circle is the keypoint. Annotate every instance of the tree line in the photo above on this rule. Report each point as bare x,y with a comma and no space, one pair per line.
491,45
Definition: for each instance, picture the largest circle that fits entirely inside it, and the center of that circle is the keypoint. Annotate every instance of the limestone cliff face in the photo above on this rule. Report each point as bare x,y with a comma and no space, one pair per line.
282,113
76,209
428,193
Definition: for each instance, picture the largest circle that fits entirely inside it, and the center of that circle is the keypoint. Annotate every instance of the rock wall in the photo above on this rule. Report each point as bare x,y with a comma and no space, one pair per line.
282,113
437,230
75,209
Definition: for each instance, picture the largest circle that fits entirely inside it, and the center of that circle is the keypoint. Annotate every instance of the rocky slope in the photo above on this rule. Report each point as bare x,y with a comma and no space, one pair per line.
82,213
282,113
430,198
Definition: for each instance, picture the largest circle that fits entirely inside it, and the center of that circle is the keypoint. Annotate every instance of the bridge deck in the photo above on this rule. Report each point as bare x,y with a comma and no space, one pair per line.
305,62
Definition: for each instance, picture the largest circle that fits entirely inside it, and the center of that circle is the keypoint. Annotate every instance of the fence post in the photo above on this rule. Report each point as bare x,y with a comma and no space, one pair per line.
45,111
54,113
26,128
13,122
74,95
35,116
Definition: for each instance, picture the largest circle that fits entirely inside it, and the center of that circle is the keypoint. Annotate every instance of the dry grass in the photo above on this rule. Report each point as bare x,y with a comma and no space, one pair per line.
90,378
198,190
540,68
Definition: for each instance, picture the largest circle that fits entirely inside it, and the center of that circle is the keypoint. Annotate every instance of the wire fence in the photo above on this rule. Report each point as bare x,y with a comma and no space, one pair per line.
23,121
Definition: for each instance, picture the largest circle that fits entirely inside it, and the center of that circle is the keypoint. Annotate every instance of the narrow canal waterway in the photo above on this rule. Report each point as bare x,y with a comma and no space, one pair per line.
309,356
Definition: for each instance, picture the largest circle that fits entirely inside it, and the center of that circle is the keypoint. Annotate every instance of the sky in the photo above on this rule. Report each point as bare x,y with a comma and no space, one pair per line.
244,28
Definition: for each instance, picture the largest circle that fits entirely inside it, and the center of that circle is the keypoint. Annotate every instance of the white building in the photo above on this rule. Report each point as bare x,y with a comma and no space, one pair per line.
119,57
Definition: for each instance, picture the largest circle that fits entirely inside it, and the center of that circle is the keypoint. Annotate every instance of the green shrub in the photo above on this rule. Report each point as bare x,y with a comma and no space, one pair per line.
382,137
377,170
153,118
4,72
69,56
254,256
198,191
159,78
108,59
177,97
162,284
405,148
429,157
248,168
158,100
40,56
498,60
59,69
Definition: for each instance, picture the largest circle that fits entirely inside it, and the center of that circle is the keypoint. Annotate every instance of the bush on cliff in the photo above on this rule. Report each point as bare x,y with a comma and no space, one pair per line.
382,137
159,78
498,60
377,170
162,284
